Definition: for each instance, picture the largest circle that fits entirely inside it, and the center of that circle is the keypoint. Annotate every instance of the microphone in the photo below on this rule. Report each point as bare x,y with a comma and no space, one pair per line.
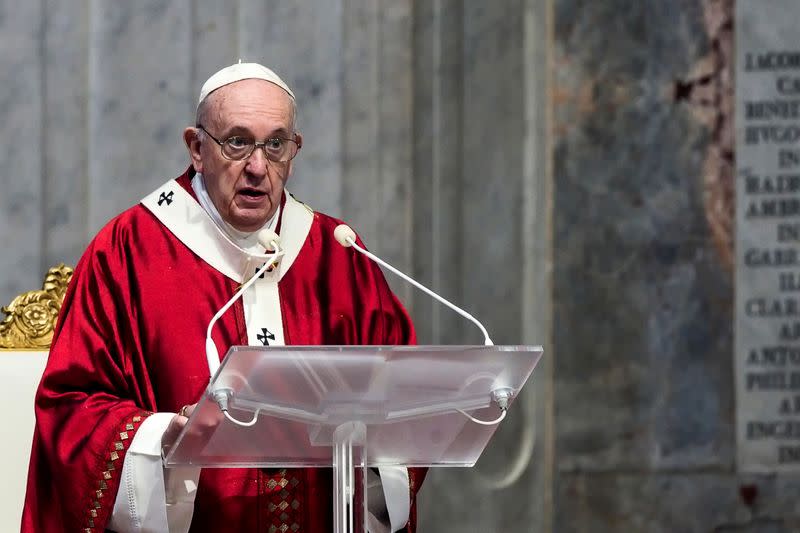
269,240
345,236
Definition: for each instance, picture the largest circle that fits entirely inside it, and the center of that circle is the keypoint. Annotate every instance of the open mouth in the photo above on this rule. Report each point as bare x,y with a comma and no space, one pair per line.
252,193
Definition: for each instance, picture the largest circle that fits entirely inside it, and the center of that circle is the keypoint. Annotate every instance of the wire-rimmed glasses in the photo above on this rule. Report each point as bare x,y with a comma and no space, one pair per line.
240,147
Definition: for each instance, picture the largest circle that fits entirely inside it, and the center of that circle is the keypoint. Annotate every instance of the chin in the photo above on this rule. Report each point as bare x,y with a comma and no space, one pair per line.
248,224
248,227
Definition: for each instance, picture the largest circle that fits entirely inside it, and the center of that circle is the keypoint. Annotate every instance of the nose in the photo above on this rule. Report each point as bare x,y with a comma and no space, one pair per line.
257,162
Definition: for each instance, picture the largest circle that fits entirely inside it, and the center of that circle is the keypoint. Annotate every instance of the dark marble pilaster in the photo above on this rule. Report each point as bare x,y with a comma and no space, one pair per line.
670,502
642,303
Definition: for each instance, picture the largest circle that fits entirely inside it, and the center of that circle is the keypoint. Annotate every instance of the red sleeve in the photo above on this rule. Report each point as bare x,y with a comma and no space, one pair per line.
88,405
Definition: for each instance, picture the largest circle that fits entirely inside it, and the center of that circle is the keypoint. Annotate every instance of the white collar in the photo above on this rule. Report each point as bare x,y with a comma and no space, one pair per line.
244,239
179,212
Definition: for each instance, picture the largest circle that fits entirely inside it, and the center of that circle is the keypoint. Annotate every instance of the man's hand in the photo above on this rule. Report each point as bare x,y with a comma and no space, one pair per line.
175,427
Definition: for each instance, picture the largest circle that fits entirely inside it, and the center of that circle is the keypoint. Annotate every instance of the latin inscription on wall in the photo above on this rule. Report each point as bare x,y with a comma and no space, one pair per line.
768,235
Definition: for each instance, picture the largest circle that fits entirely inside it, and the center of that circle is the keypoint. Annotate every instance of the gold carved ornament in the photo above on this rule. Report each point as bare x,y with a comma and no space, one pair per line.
31,316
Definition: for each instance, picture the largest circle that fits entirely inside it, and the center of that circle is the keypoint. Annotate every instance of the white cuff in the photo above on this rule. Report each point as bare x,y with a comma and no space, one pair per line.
150,499
397,494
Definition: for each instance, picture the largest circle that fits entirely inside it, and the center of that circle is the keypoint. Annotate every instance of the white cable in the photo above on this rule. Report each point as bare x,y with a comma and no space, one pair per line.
349,237
239,422
527,443
212,354
484,422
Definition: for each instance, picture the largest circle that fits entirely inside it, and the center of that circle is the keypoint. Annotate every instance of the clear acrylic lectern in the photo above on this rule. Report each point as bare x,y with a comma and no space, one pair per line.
349,407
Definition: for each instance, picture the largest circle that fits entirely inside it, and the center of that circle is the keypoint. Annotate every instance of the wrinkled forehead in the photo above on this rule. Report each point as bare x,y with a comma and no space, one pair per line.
248,101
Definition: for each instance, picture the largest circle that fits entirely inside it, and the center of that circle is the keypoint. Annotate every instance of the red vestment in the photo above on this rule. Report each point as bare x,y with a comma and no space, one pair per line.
130,342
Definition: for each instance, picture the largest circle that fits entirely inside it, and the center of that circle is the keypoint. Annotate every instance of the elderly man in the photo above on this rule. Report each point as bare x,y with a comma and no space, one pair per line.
128,360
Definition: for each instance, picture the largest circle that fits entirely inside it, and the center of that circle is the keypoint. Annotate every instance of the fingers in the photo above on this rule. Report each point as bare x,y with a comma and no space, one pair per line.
187,410
173,430
176,425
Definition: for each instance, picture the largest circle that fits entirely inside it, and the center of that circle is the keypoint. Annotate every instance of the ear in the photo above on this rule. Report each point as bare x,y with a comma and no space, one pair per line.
299,139
192,140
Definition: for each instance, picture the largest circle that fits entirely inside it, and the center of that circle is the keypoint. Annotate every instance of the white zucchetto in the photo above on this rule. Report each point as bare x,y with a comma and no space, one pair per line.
241,71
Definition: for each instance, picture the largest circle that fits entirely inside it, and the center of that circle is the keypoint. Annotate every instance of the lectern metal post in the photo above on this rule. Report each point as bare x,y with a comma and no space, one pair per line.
348,439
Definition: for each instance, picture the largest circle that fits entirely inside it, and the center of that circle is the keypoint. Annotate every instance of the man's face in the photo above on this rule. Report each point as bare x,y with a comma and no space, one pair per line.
246,193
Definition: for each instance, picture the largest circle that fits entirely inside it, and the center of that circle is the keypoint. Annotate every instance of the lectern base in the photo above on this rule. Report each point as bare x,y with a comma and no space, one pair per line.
349,504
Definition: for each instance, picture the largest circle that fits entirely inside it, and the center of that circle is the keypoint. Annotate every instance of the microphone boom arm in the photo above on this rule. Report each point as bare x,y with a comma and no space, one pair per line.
349,238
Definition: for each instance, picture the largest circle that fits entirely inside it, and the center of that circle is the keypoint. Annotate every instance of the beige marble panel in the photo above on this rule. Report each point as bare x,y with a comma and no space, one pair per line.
302,42
436,170
377,124
140,100
215,39
395,148
361,124
499,226
65,122
21,107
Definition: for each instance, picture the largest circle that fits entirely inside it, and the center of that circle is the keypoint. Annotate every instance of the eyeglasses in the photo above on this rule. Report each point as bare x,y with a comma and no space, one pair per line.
239,148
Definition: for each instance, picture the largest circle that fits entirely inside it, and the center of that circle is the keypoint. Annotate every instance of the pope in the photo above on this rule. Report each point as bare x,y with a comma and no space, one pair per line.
127,362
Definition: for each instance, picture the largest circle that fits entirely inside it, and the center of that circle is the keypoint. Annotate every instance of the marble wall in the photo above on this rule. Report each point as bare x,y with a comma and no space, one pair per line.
424,126
481,114
643,282
560,167
543,162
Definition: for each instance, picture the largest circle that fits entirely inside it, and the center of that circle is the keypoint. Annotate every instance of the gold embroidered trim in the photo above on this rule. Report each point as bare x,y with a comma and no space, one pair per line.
31,316
283,528
113,456
280,482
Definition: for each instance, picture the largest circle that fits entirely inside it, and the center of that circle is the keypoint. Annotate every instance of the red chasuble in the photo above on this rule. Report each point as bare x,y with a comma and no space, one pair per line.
130,342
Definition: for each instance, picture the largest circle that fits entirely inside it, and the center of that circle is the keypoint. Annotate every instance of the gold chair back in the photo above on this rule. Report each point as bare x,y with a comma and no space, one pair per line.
31,317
